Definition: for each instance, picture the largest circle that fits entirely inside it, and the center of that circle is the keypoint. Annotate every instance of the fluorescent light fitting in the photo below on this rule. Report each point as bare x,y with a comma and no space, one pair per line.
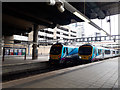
81,17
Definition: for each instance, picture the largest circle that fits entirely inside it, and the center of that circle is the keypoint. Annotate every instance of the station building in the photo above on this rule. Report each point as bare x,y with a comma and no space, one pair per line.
46,37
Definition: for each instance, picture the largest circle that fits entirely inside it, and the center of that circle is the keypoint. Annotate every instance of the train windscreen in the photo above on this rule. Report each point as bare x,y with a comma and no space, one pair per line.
55,50
85,50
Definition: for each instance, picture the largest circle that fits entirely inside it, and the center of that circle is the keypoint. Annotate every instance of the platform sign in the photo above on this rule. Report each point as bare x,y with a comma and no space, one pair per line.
19,52
15,52
7,51
11,51
23,51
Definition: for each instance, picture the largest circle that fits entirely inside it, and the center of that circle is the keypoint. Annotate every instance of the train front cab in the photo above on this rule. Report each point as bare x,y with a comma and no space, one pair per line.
85,53
55,53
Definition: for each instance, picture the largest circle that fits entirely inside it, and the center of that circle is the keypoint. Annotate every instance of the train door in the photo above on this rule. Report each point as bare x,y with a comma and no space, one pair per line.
95,53
102,54
66,50
99,54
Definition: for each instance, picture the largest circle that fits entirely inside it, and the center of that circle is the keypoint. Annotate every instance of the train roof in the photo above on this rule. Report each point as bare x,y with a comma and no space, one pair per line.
106,48
65,45
87,45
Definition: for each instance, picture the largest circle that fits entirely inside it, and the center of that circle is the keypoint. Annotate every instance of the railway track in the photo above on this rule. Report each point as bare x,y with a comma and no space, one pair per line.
30,72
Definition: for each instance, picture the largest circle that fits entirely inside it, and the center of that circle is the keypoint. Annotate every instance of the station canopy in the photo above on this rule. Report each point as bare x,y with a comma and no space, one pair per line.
19,17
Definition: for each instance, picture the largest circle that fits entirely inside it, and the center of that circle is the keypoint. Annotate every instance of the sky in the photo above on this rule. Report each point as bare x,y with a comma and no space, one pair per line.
90,30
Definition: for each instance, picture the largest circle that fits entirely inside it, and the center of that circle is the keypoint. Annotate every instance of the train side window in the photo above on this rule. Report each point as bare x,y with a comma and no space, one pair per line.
107,51
67,51
64,50
95,51
113,52
99,51
117,52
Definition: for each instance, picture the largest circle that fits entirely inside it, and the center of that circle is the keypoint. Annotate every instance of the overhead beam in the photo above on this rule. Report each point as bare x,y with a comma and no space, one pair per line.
26,16
96,10
72,9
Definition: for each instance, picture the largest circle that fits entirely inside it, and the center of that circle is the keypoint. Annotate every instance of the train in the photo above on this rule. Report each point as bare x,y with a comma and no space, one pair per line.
59,52
62,54
90,53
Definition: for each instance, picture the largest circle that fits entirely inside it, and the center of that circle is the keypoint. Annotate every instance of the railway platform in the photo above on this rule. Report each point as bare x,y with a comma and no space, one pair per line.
15,65
101,74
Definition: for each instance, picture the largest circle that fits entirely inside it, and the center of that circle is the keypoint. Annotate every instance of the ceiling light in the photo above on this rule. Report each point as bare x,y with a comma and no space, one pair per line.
61,8
81,17
51,2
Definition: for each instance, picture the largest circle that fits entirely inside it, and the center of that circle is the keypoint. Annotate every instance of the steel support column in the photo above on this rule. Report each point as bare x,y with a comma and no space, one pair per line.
28,49
35,39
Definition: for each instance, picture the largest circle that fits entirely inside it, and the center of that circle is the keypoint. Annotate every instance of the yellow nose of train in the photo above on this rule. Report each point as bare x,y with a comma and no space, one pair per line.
55,56
84,57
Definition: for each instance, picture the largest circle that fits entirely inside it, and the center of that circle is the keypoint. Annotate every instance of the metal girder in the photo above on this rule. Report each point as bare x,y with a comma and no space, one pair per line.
100,38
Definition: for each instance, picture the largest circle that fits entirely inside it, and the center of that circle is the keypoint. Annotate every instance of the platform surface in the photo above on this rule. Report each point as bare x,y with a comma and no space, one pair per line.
14,65
102,74
16,60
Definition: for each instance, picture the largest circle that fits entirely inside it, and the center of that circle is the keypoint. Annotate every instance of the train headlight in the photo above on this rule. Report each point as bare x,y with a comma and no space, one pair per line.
68,56
80,57
59,56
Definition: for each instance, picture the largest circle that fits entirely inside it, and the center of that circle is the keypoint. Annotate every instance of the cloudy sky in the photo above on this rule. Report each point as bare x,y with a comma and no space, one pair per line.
90,30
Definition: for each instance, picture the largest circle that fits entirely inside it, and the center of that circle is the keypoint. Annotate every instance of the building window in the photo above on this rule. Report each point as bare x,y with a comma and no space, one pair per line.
41,30
65,39
58,37
66,30
49,38
40,36
73,31
65,34
73,36
58,32
49,32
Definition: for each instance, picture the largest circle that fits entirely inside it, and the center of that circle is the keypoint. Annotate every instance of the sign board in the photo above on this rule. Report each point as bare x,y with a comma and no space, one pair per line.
10,51
14,51
7,51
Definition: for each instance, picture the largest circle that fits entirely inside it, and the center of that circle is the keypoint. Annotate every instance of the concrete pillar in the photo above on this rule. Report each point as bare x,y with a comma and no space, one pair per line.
35,40
118,43
28,49
55,32
0,45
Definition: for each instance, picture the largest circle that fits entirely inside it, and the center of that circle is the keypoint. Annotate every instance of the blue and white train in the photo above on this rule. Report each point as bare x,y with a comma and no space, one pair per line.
91,53
59,52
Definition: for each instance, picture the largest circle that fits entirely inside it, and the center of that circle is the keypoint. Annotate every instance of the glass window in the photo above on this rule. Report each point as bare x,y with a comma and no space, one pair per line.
99,51
117,52
67,51
55,50
113,52
64,50
85,50
107,51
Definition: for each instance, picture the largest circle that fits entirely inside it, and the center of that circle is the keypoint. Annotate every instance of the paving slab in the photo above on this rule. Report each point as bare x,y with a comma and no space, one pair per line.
92,75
